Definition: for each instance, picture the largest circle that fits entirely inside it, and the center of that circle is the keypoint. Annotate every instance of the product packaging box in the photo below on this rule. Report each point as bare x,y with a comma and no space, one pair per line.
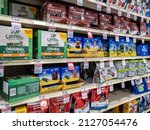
15,45
50,80
132,48
50,45
21,109
70,75
19,88
142,50
112,48
4,7
20,10
130,107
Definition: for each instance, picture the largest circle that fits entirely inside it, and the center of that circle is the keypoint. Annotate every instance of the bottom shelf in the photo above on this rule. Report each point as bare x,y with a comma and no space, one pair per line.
119,98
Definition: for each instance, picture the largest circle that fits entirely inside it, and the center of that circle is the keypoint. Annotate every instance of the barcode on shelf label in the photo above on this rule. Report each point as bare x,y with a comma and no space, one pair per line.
144,60
104,35
66,99
86,65
38,67
111,63
123,85
12,92
70,33
51,27
123,62
147,21
83,88
111,88
142,19
16,24
128,15
80,2
134,40
143,41
132,82
116,38
135,18
99,7
99,91
84,95
119,13
42,97
127,39
108,9
102,64
1,70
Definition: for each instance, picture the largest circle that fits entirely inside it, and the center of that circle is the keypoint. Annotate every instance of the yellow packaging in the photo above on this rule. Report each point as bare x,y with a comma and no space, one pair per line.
130,107
116,110
21,109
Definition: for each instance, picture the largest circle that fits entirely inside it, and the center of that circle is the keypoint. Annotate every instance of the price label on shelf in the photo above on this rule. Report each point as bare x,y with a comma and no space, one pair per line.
135,18
119,13
16,24
143,41
38,67
5,108
102,64
127,39
70,65
111,63
99,6
43,104
66,98
123,62
132,82
99,90
117,38
144,60
128,15
142,19
80,2
111,88
1,70
104,35
108,9
51,27
134,40
84,94
70,33
89,33
86,65
147,20
123,85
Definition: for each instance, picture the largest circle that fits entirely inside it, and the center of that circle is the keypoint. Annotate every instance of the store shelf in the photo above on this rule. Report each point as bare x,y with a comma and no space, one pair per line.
120,97
6,20
75,60
147,111
92,4
86,86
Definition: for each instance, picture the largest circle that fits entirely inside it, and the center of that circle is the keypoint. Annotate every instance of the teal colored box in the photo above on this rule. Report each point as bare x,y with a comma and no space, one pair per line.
4,7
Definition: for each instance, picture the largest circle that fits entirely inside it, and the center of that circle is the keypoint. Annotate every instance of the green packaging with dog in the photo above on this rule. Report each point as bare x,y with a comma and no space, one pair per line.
15,45
18,88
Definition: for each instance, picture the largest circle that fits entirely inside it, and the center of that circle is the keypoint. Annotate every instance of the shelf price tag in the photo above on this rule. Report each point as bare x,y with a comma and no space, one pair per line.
132,82
86,65
147,20
1,70
127,39
70,65
111,63
66,97
99,7
123,62
38,67
84,94
108,9
143,41
142,19
104,35
16,24
70,33
117,38
99,90
51,27
80,2
128,15
111,88
144,60
5,108
123,85
102,64
135,18
119,13
134,40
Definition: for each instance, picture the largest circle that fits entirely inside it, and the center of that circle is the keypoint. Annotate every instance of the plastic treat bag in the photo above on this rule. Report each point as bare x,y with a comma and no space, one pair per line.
143,29
138,7
131,5
59,105
139,86
121,3
81,104
99,99
146,101
134,28
111,1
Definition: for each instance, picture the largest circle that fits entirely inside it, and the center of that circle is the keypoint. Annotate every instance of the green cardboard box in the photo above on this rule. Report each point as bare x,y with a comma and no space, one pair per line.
20,10
4,7
15,45
50,45
18,88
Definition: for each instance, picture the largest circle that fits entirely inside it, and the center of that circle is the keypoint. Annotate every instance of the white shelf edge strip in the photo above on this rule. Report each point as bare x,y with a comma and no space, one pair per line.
87,87
65,60
146,111
59,26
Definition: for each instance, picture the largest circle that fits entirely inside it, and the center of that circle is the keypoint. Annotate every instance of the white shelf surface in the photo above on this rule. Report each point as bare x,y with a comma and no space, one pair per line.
6,20
75,60
119,98
87,86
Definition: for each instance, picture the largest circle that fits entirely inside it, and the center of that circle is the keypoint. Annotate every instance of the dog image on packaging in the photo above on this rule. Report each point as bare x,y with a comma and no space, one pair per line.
15,45
112,48
70,75
132,48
